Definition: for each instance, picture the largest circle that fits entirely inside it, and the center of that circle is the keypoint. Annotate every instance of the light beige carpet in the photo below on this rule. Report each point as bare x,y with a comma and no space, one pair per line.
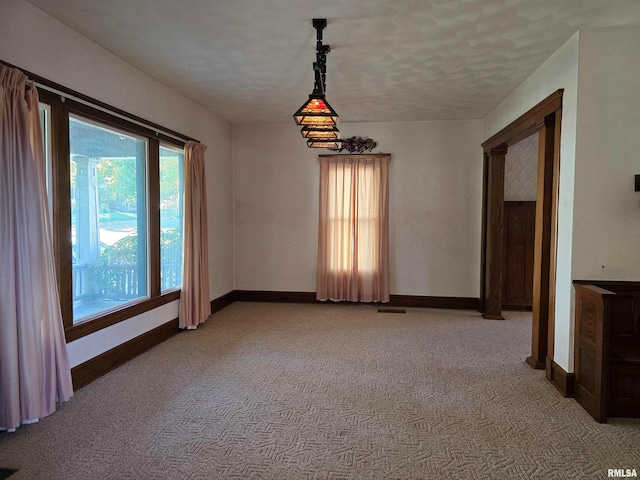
282,391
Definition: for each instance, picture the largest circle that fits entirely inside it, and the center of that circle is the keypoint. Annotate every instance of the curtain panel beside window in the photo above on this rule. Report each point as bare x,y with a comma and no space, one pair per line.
34,366
353,228
194,301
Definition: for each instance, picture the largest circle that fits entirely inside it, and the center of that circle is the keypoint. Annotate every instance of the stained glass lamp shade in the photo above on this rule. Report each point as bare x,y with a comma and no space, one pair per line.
320,132
316,111
333,144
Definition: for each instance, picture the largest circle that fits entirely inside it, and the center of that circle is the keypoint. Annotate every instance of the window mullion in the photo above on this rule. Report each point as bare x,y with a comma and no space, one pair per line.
61,198
154,217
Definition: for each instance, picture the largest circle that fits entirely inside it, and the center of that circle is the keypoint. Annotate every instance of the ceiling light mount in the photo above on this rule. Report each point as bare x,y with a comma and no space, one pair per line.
319,24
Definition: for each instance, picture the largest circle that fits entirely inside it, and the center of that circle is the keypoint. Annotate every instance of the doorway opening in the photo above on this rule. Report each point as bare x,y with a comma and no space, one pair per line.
545,120
520,191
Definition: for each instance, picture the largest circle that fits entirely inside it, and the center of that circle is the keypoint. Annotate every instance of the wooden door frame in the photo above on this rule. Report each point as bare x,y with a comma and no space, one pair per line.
545,119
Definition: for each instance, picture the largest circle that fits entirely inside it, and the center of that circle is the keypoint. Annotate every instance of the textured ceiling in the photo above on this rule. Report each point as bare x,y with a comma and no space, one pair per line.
391,60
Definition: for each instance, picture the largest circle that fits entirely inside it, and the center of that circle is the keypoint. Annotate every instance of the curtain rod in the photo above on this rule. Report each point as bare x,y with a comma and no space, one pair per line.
65,92
111,112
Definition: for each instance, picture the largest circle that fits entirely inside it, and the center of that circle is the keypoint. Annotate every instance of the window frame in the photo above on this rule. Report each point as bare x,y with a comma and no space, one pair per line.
141,234
61,107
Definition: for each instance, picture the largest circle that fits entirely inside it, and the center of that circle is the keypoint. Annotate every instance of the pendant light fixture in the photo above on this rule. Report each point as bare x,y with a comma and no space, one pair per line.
316,115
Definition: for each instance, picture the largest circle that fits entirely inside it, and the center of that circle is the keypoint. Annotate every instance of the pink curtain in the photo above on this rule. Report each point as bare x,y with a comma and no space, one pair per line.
34,367
353,230
195,305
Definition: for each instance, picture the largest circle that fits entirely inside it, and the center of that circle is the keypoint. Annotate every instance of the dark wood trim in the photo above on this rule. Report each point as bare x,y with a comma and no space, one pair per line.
553,246
516,307
152,127
483,237
273,296
545,116
221,302
62,210
494,234
542,244
536,363
359,155
525,125
90,370
419,301
93,114
153,186
604,284
94,368
562,380
415,301
103,320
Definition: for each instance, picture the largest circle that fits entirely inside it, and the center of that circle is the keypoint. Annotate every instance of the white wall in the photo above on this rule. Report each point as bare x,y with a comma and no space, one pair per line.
558,71
606,230
435,206
38,43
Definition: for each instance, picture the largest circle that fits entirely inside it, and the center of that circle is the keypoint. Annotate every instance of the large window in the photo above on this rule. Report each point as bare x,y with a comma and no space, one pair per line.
116,190
353,247
353,214
108,178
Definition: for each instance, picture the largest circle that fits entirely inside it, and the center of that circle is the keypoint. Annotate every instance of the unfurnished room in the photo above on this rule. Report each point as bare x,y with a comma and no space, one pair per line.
319,240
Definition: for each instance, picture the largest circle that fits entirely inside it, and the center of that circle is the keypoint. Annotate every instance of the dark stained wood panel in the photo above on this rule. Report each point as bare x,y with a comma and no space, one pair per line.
589,350
607,348
519,237
494,234
625,389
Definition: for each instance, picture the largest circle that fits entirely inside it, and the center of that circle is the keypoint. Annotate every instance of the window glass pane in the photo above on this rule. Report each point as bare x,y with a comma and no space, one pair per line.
171,204
339,234
349,223
108,217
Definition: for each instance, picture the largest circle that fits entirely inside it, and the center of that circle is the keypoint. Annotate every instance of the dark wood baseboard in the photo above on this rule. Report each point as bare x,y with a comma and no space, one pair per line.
94,368
415,301
221,302
273,296
488,316
537,364
419,301
562,380
516,307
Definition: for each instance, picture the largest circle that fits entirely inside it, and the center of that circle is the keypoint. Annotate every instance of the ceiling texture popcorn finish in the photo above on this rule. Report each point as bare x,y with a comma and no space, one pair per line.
249,61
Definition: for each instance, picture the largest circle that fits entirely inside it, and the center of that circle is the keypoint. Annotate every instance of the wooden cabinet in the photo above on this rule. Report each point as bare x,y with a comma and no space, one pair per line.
607,348
517,263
